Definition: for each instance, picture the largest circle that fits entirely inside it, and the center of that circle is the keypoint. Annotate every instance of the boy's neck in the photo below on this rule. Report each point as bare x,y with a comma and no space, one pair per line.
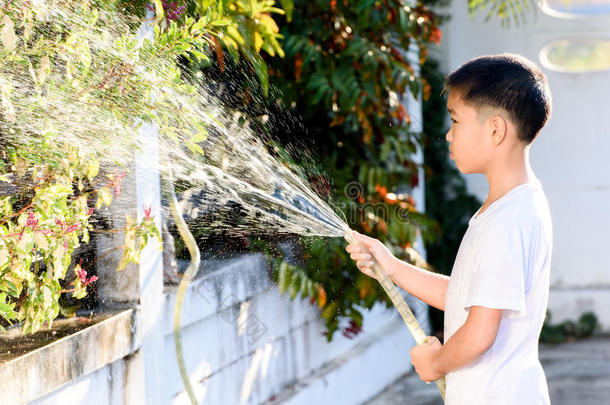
508,173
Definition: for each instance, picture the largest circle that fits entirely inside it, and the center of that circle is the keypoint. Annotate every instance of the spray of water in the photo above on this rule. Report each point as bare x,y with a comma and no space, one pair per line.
240,185
236,185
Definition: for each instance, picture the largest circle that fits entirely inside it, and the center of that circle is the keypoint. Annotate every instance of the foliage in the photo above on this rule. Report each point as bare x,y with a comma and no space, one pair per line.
568,330
506,10
345,73
343,70
76,85
242,29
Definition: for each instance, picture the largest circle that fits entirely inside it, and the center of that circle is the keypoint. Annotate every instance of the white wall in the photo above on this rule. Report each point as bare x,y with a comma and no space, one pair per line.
571,155
245,343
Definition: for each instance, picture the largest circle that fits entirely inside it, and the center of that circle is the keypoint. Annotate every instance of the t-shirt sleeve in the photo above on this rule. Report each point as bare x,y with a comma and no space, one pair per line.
498,279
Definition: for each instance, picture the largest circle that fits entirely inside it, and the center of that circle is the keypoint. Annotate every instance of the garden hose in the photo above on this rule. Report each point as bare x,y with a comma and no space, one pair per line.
403,309
401,305
187,277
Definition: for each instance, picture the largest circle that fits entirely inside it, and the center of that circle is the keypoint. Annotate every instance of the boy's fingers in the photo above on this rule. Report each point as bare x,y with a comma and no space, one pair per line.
367,270
365,240
352,248
365,265
360,256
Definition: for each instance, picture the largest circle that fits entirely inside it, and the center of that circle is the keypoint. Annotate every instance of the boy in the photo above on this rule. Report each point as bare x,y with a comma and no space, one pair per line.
496,298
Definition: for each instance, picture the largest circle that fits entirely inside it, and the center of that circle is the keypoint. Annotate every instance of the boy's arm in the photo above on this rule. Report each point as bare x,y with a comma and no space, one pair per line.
433,360
470,341
427,286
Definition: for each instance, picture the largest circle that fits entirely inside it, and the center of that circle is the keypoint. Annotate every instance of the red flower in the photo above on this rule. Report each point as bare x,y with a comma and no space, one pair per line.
352,330
382,190
82,275
172,10
115,182
72,228
436,35
147,213
32,220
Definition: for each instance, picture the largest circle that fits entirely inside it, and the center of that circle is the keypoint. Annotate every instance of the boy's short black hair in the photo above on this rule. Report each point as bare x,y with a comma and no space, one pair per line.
507,81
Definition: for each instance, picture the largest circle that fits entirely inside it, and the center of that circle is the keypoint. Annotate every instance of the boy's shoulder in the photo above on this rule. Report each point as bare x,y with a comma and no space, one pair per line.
523,211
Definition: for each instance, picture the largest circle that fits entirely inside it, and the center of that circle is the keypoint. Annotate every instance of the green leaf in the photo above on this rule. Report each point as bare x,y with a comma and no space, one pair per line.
159,10
262,73
104,197
288,6
330,310
196,149
7,34
93,167
284,276
295,282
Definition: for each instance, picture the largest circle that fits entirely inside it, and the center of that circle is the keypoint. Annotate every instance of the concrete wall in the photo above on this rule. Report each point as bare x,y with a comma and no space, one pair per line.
245,343
570,156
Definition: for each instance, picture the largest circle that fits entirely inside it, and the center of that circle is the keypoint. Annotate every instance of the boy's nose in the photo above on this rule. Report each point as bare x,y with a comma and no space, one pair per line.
448,136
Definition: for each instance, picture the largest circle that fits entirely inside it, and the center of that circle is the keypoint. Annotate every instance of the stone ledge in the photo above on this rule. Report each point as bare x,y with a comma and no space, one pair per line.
42,364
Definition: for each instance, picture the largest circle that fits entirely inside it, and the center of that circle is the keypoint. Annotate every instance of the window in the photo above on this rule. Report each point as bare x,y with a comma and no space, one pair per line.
575,8
577,55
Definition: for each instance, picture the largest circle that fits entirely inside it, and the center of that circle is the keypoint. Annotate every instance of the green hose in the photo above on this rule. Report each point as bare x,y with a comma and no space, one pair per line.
403,309
188,276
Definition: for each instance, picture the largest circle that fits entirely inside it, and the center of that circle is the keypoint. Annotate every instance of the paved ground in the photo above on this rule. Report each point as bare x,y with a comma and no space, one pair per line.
577,373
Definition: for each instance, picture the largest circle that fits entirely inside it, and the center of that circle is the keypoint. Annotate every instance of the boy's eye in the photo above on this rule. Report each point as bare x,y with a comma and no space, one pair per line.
454,121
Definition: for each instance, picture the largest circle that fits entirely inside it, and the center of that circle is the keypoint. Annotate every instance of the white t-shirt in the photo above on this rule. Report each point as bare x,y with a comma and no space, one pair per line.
503,262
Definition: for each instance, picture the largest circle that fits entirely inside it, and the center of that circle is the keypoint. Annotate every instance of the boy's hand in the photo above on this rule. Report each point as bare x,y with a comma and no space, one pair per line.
364,249
424,358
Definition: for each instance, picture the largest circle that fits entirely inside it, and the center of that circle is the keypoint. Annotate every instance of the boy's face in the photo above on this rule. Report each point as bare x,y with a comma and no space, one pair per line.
469,146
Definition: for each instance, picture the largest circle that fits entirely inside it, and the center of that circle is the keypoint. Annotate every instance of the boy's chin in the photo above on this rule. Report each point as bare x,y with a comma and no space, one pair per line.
466,170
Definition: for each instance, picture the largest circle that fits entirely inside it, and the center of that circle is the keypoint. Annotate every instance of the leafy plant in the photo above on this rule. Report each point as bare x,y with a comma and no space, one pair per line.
76,84
243,29
343,70
506,10
568,330
347,66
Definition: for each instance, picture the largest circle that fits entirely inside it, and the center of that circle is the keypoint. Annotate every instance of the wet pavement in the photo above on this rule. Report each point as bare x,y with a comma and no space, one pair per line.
577,373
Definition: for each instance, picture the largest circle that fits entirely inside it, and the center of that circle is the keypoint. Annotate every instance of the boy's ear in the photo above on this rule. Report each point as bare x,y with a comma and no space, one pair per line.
498,128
